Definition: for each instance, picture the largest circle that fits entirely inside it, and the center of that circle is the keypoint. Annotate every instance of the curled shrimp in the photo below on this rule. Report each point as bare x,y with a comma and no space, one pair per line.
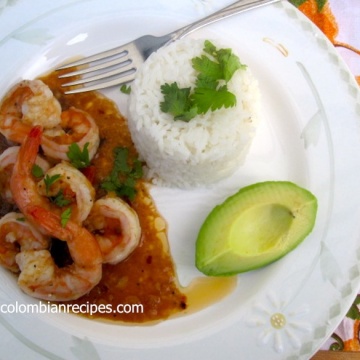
40,277
72,188
76,126
116,227
22,182
28,104
16,235
7,161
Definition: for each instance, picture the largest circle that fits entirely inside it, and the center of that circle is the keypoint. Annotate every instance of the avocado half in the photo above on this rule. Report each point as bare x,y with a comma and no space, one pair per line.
255,227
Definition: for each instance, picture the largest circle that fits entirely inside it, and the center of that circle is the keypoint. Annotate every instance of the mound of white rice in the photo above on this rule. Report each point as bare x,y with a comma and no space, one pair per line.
204,150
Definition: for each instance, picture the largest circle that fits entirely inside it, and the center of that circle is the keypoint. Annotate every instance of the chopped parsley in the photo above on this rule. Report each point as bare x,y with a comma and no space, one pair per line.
49,180
215,69
79,158
125,89
60,200
123,176
65,217
37,171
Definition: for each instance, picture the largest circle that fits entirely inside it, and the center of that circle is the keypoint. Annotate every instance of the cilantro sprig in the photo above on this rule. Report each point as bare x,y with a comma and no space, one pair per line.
123,176
221,67
59,199
79,158
177,102
49,180
215,69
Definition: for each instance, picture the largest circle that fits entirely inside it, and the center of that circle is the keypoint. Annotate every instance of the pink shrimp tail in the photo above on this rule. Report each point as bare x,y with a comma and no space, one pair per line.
32,142
22,185
28,151
36,132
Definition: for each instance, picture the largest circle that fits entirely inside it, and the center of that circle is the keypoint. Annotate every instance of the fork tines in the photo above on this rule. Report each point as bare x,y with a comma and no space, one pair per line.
109,68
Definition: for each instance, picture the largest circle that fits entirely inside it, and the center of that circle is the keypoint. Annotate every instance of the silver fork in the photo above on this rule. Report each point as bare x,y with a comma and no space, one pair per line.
119,65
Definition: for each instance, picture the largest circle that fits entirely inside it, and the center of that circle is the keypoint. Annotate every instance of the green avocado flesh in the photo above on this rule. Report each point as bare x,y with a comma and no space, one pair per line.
255,227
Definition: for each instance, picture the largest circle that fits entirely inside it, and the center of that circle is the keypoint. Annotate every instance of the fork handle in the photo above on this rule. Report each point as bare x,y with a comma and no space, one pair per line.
233,9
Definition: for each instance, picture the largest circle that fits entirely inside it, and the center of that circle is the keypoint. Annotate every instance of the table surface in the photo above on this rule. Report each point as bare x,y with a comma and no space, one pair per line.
332,355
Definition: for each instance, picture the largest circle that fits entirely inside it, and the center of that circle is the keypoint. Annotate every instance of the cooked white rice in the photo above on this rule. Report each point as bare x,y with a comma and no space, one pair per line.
204,150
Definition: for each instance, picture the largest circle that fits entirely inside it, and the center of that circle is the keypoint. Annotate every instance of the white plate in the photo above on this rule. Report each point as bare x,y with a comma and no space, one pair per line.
309,135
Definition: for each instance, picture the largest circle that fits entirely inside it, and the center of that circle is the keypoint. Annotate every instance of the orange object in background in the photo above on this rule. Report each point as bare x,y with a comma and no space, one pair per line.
323,18
326,22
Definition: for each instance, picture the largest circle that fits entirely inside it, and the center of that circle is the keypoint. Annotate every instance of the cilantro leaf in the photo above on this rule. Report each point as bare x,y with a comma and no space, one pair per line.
123,176
215,68
207,67
209,48
37,171
121,160
65,217
187,115
205,82
176,100
79,158
49,180
125,89
60,200
224,65
210,99
229,63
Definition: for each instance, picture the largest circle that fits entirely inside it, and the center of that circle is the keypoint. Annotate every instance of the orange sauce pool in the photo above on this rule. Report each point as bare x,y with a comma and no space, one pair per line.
147,277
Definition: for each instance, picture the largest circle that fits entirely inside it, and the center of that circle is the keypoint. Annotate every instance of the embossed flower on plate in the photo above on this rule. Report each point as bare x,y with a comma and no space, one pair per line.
278,322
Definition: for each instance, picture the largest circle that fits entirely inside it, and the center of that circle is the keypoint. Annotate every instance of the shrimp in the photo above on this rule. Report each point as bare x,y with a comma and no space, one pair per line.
72,188
76,126
28,104
7,161
116,227
40,277
16,235
22,183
